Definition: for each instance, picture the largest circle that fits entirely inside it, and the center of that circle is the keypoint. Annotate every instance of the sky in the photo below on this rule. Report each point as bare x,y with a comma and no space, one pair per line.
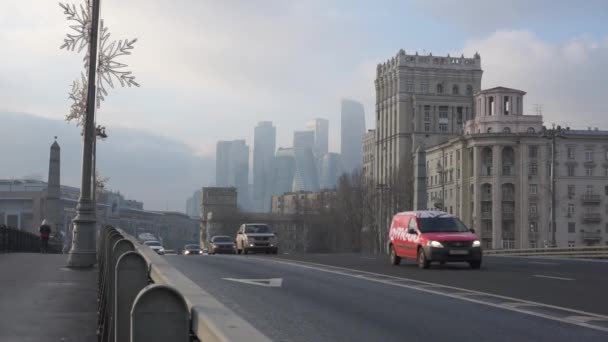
211,69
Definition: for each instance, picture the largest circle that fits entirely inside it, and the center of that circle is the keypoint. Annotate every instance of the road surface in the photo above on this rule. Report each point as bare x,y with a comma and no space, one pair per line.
300,298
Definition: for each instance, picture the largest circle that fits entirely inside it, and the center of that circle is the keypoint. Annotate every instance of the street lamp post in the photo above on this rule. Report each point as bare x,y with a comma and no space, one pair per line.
83,251
552,134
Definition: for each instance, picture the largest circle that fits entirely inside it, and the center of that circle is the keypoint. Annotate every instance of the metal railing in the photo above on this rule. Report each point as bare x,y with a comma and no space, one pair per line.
14,240
143,298
574,252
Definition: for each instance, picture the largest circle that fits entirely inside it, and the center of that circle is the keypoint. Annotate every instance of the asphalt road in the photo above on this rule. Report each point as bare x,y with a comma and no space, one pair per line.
320,302
575,284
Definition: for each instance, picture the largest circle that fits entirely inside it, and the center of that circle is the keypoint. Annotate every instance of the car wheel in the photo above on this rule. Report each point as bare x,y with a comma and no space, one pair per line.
422,262
475,264
395,259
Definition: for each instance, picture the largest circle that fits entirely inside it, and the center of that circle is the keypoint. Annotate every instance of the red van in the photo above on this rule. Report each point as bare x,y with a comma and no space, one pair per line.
428,236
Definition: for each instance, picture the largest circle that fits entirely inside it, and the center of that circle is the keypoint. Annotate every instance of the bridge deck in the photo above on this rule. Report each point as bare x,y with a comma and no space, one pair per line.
41,300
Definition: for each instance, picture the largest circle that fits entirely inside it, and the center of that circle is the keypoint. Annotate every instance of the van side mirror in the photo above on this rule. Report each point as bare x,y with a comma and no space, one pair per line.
412,231
472,230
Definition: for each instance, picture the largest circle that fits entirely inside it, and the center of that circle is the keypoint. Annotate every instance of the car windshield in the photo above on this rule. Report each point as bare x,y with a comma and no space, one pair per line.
152,243
257,229
441,225
221,239
193,247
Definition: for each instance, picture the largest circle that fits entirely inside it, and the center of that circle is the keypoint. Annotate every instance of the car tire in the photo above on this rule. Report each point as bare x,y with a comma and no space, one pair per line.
421,260
394,258
476,264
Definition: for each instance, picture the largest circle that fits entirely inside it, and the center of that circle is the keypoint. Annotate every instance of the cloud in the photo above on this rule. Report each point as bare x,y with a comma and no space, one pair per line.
567,78
143,166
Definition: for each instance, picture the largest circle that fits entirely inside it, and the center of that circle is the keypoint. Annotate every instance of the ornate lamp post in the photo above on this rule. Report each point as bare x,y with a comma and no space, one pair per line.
87,95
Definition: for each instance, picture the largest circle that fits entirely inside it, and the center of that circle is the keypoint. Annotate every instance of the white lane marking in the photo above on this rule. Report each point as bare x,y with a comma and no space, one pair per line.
456,295
551,277
584,319
273,282
548,258
542,263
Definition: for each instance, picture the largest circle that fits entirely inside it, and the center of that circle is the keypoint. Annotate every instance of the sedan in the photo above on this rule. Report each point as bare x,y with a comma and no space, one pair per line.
221,244
192,250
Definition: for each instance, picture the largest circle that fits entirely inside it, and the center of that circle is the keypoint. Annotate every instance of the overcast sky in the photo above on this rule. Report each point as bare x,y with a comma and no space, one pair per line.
210,70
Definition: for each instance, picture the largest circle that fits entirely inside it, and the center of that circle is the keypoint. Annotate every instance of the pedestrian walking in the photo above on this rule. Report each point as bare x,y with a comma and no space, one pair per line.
45,232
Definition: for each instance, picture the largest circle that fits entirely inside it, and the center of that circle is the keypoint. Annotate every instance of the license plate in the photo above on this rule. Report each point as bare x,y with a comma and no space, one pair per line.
458,252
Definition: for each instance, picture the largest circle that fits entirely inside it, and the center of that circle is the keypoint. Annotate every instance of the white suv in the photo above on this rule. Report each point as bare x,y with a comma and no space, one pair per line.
155,246
256,237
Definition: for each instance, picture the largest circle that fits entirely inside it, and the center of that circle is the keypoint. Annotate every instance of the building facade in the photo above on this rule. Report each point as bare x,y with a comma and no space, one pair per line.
369,151
304,139
232,168
420,101
193,204
320,127
496,178
331,169
264,146
301,202
352,129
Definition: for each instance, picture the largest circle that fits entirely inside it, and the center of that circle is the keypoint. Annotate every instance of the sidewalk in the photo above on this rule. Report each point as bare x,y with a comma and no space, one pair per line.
41,300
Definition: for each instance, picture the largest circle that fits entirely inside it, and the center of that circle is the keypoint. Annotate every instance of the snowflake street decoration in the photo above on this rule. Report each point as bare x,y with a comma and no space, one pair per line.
109,70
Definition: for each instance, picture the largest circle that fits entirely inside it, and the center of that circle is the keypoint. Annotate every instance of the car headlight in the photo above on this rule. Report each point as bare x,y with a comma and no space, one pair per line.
187,252
435,244
476,243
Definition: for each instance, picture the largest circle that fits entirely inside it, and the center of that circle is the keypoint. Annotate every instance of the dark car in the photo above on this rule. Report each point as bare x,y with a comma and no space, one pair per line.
192,250
221,245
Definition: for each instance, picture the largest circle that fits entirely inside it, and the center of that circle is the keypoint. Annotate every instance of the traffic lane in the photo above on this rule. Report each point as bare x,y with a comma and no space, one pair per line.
501,276
312,305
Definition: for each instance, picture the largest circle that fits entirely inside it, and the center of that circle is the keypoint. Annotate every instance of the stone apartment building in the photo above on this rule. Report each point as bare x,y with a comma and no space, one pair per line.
300,202
420,101
496,177
369,151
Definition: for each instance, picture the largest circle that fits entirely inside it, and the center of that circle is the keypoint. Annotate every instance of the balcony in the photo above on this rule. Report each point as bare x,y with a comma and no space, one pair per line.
591,198
591,236
592,217
486,215
533,216
508,215
486,234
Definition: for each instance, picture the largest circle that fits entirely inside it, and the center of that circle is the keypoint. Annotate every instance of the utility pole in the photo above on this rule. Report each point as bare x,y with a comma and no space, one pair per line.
553,134
83,252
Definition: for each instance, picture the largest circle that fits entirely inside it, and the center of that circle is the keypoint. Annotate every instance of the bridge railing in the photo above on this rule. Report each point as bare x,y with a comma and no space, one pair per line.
143,298
14,240
574,252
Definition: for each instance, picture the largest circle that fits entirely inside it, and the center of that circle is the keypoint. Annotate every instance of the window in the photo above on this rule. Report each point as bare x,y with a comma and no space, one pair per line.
589,171
443,127
533,208
518,106
443,112
424,88
506,130
409,87
570,170
455,89
451,194
606,228
532,189
589,189
532,151
427,126
570,152
457,156
533,169
530,130
450,159
570,209
451,212
571,190
533,226
571,227
588,155
457,173
427,113
469,89
606,190
439,88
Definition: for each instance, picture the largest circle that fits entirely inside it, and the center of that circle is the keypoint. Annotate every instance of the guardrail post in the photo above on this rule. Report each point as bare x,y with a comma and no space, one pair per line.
160,314
106,302
131,277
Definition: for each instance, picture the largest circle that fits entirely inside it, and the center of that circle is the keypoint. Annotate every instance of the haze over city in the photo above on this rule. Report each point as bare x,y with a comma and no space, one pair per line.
221,67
